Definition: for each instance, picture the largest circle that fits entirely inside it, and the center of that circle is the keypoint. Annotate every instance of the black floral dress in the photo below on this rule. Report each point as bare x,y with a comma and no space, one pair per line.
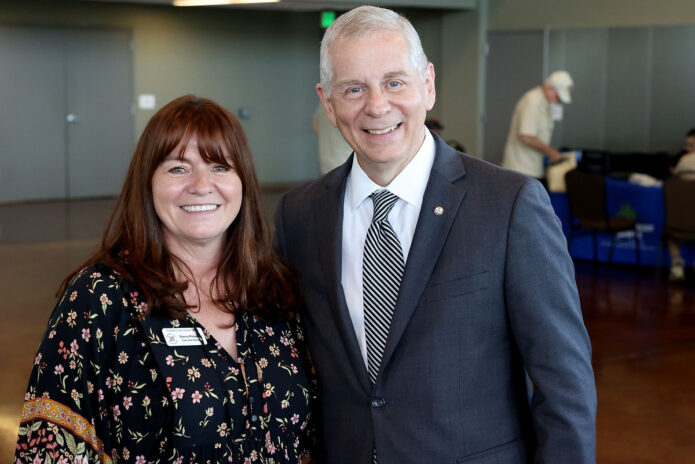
110,386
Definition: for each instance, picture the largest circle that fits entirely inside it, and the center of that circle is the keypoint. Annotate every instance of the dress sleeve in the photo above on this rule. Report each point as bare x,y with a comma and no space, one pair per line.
65,417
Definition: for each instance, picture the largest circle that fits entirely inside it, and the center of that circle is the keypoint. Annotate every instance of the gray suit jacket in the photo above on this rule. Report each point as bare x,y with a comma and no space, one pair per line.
488,295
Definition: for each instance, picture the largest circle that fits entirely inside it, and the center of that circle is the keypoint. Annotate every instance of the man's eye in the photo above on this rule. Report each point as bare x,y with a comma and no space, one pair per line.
354,90
394,84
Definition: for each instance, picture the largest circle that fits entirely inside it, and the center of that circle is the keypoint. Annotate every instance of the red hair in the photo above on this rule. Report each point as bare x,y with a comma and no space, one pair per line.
254,278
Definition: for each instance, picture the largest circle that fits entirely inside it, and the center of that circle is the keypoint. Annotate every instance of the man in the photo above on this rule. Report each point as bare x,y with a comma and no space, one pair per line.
333,149
433,281
532,126
685,169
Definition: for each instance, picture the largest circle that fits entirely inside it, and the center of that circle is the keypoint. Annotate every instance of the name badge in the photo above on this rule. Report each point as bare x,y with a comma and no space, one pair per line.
184,336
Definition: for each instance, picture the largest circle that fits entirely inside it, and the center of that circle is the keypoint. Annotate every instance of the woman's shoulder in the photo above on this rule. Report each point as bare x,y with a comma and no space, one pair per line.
102,291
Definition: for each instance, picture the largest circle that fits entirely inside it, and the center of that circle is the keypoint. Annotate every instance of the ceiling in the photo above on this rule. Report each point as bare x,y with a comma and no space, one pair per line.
318,5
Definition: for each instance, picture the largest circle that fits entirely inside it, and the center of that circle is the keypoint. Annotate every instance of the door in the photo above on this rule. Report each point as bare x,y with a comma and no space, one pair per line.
32,115
66,122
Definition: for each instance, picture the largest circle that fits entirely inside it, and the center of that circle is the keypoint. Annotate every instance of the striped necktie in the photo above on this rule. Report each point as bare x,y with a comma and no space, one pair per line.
382,270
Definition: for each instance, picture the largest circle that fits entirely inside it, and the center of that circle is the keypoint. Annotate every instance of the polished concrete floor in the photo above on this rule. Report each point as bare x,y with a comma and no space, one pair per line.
642,330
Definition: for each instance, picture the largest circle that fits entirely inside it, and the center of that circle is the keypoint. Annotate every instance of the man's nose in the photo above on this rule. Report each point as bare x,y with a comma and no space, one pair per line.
377,103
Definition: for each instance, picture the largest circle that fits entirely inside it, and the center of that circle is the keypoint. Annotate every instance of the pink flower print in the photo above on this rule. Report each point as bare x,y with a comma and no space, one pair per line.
37,359
169,360
269,445
294,368
177,394
74,395
284,341
269,331
123,357
263,363
126,454
51,334
196,396
127,402
90,387
59,369
100,395
116,411
73,346
85,335
73,364
95,275
295,419
73,295
140,460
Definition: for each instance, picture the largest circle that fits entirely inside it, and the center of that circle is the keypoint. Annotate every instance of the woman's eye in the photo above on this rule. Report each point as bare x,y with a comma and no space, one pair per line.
177,170
221,168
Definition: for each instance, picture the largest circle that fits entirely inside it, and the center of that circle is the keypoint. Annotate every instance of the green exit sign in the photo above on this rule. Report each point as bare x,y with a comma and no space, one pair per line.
327,18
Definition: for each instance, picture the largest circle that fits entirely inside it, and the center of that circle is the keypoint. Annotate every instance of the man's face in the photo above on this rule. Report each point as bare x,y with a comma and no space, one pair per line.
690,144
379,101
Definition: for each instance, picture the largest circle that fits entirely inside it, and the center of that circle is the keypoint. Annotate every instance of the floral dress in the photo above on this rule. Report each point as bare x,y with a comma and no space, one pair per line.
111,386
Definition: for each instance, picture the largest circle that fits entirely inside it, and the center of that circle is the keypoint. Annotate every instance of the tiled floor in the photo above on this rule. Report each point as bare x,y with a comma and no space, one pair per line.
642,330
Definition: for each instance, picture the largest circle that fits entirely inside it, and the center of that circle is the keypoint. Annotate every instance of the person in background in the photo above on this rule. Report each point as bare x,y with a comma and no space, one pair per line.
688,147
532,125
176,341
434,282
686,170
333,149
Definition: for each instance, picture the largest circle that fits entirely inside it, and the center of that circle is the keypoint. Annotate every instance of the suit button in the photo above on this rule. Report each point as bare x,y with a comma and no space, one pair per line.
378,403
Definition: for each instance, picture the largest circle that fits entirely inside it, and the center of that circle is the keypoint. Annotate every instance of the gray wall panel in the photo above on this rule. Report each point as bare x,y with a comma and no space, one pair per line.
515,64
627,95
673,87
585,118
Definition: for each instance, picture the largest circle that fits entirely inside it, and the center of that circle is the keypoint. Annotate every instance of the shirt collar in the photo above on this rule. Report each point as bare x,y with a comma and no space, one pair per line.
409,185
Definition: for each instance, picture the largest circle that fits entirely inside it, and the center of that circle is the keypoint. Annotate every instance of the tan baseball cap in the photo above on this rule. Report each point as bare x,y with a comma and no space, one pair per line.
563,84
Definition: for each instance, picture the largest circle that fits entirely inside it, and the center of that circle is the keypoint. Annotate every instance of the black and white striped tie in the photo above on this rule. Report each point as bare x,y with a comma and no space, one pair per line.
382,271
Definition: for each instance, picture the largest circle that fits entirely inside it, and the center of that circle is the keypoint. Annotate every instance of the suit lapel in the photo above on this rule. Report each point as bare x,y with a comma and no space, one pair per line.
431,233
328,218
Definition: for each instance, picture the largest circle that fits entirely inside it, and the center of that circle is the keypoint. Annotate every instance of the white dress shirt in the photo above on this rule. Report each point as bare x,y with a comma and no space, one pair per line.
358,209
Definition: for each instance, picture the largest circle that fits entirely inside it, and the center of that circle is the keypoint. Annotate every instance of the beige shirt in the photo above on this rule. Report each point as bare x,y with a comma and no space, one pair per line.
333,149
531,117
686,166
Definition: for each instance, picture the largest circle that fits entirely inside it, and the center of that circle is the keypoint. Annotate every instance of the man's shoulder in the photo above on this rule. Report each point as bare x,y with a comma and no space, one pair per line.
316,187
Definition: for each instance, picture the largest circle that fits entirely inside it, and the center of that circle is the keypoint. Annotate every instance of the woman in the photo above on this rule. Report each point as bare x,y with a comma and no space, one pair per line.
176,341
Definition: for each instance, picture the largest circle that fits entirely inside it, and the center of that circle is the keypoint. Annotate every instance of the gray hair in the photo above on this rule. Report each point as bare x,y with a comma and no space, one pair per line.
363,21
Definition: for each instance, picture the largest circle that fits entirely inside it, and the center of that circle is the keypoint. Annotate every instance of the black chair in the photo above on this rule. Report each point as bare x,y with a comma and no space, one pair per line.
586,193
679,220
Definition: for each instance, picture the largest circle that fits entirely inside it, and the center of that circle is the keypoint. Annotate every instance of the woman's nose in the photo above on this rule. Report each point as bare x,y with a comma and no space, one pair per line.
201,182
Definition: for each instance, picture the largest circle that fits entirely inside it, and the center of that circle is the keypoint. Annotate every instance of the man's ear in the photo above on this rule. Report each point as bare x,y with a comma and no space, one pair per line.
326,104
429,85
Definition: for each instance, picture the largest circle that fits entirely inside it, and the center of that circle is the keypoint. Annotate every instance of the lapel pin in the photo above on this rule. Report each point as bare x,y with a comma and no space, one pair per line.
438,210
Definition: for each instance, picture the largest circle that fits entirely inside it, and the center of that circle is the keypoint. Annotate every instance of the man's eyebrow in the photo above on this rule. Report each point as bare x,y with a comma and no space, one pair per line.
347,83
393,74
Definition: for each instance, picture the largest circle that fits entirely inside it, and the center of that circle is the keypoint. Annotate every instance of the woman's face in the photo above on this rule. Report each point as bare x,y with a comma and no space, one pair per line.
196,201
